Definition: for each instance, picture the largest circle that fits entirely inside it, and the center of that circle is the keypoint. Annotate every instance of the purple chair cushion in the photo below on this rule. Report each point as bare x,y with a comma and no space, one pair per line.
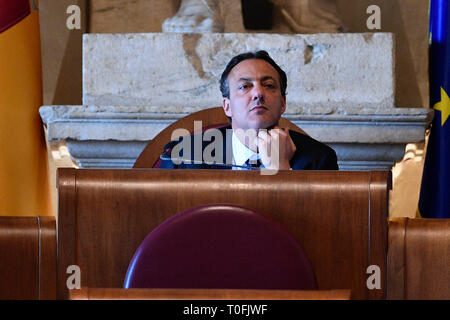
223,247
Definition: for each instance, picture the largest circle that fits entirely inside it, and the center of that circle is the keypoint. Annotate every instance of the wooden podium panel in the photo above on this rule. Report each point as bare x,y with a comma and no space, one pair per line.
419,259
27,258
338,217
206,294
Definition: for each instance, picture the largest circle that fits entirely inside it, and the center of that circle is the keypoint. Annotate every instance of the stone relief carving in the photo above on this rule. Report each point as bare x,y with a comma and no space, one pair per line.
310,16
195,16
298,16
203,16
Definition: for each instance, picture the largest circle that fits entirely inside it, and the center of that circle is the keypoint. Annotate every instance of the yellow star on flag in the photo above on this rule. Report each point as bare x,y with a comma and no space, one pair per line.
443,106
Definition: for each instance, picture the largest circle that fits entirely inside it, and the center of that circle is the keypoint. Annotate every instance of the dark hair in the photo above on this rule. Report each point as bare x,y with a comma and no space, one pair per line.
261,54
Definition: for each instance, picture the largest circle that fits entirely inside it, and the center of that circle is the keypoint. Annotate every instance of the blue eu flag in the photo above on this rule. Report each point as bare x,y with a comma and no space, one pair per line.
435,190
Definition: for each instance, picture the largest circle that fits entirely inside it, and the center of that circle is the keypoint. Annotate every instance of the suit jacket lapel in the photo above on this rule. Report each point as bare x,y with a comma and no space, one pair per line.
229,146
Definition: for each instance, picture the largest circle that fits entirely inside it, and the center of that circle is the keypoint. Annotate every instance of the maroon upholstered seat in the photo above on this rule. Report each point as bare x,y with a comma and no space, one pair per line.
223,247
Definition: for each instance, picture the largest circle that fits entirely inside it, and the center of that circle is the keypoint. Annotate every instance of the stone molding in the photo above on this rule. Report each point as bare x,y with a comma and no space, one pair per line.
108,136
341,90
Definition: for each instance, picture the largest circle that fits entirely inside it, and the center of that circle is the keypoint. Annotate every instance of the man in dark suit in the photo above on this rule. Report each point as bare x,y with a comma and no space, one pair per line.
253,88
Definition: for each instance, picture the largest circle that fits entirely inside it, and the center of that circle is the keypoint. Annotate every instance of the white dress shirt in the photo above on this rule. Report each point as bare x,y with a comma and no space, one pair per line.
241,153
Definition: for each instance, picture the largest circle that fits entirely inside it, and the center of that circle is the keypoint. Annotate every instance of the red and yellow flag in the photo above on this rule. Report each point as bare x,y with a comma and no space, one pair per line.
24,187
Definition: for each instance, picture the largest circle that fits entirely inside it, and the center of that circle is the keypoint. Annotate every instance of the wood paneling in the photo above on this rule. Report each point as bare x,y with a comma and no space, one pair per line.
28,258
206,294
19,251
105,214
419,258
396,259
47,258
378,229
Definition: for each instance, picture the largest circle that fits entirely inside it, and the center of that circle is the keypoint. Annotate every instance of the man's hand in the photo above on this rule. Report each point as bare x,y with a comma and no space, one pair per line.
276,148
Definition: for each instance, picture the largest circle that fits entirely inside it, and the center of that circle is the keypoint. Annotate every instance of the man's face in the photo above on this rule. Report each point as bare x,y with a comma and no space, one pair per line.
255,95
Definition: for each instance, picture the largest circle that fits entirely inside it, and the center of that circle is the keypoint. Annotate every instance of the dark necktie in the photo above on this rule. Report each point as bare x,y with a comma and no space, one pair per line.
253,163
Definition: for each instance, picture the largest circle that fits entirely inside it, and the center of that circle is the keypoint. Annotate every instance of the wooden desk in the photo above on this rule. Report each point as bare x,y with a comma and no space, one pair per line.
27,258
419,259
338,217
205,294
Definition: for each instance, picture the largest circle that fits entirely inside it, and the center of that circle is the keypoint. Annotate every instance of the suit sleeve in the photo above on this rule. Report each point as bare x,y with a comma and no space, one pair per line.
329,161
167,163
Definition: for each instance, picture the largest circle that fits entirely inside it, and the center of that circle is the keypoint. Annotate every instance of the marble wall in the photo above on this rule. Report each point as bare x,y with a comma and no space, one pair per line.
326,73
61,52
407,19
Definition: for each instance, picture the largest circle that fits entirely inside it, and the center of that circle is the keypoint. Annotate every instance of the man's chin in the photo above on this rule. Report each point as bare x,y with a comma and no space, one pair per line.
264,125
259,125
